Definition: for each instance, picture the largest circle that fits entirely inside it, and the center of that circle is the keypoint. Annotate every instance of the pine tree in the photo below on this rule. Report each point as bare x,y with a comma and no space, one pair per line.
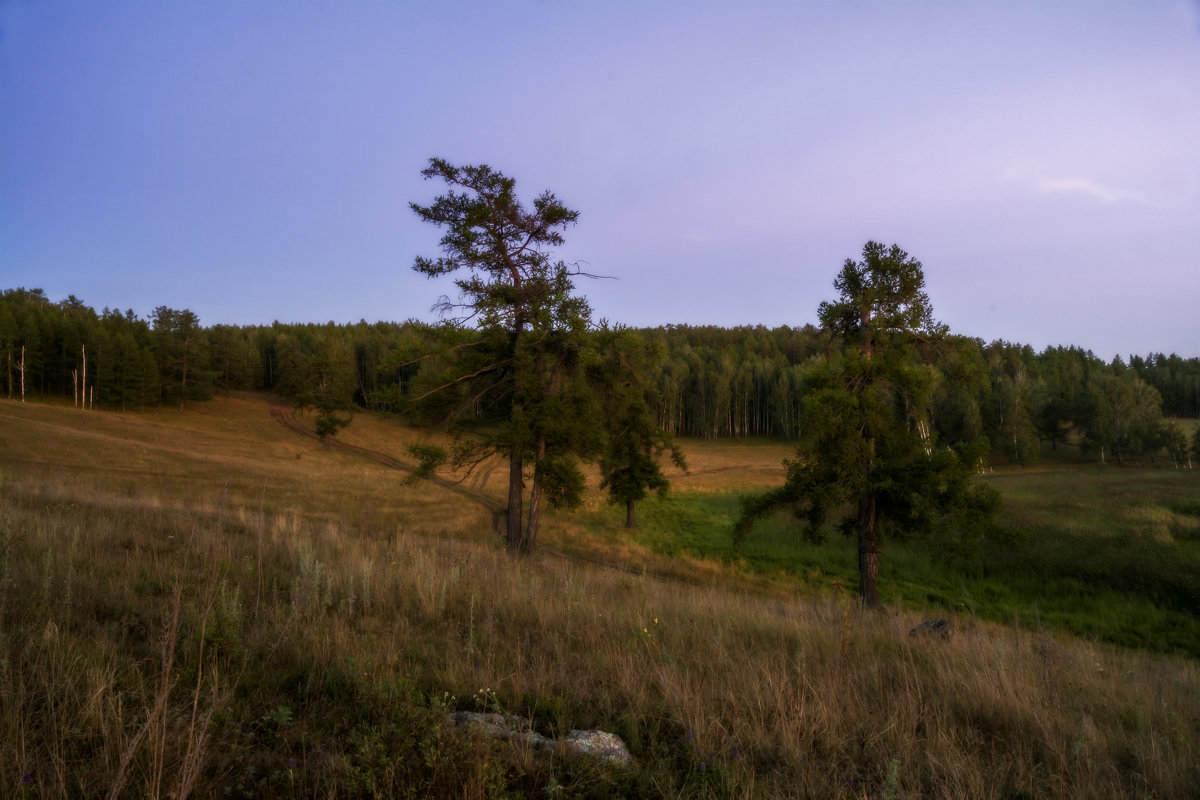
329,385
630,466
868,454
513,379
182,352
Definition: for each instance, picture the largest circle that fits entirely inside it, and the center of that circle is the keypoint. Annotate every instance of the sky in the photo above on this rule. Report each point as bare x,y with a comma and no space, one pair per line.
254,161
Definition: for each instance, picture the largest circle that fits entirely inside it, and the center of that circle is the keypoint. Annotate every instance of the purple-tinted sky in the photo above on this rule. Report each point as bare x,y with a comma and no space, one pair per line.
253,161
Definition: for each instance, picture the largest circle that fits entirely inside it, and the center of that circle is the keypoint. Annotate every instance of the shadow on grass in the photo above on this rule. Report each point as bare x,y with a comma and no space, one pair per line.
1122,564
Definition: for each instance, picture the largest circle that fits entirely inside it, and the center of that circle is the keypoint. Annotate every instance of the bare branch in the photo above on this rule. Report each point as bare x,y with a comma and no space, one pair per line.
464,378
577,271
427,356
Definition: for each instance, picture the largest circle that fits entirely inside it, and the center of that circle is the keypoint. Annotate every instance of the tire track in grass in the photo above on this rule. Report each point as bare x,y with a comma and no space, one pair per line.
287,419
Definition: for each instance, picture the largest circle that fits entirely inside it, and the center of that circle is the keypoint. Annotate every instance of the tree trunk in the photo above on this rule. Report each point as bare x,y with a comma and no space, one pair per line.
514,540
516,487
535,502
183,385
868,555
630,520
868,540
535,491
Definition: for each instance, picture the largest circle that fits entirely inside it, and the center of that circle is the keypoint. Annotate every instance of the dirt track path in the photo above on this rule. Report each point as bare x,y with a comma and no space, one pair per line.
287,419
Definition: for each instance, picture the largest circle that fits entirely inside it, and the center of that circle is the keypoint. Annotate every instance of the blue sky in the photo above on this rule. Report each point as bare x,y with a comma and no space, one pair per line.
254,160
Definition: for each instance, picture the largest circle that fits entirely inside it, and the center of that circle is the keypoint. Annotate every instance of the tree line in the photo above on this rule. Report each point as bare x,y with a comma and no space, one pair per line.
704,381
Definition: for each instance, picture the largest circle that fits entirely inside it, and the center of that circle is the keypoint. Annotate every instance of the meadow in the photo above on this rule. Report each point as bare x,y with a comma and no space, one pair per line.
206,604
1101,552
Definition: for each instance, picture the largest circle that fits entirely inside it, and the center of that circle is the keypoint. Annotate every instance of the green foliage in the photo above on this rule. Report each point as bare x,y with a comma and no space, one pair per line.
1072,551
635,443
429,459
414,756
868,456
707,381
1176,379
328,385
1172,438
1010,403
1126,416
234,358
515,384
222,629
955,412
181,349
1058,398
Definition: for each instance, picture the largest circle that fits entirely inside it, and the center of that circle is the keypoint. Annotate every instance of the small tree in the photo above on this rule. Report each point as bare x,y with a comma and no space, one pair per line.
329,386
1175,441
630,466
867,455
514,387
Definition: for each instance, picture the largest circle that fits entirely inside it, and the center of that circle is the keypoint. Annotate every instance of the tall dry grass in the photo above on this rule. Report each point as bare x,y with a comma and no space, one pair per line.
250,624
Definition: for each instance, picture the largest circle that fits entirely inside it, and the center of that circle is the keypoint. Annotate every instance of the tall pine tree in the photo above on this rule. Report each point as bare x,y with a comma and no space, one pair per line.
512,381
868,456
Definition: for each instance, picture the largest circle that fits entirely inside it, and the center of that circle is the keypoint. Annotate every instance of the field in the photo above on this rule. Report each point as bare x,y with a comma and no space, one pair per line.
1104,553
207,604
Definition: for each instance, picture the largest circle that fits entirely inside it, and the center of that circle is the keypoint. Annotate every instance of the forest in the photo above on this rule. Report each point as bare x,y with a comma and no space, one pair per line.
707,382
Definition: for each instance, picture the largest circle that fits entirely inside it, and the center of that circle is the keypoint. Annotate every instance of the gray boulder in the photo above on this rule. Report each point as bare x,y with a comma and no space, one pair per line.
596,744
606,746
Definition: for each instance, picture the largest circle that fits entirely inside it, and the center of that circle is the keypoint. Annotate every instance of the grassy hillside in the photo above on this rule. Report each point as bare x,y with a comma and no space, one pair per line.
207,604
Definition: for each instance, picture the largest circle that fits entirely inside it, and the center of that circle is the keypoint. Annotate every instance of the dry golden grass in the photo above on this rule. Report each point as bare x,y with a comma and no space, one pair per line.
206,604
731,465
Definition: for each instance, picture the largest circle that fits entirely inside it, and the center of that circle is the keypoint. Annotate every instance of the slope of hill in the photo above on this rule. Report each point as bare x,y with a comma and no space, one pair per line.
208,604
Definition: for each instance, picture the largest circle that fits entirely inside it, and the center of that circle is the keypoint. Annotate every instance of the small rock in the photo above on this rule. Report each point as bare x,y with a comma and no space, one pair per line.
933,627
607,746
598,744
499,726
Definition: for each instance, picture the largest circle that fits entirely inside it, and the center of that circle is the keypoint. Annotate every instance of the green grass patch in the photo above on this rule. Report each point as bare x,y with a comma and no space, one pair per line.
1111,554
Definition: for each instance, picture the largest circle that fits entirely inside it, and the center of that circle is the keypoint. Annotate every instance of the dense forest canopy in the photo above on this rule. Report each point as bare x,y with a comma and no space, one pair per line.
710,382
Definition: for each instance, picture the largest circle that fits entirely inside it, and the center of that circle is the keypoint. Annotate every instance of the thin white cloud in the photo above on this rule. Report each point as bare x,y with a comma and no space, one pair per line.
1090,188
